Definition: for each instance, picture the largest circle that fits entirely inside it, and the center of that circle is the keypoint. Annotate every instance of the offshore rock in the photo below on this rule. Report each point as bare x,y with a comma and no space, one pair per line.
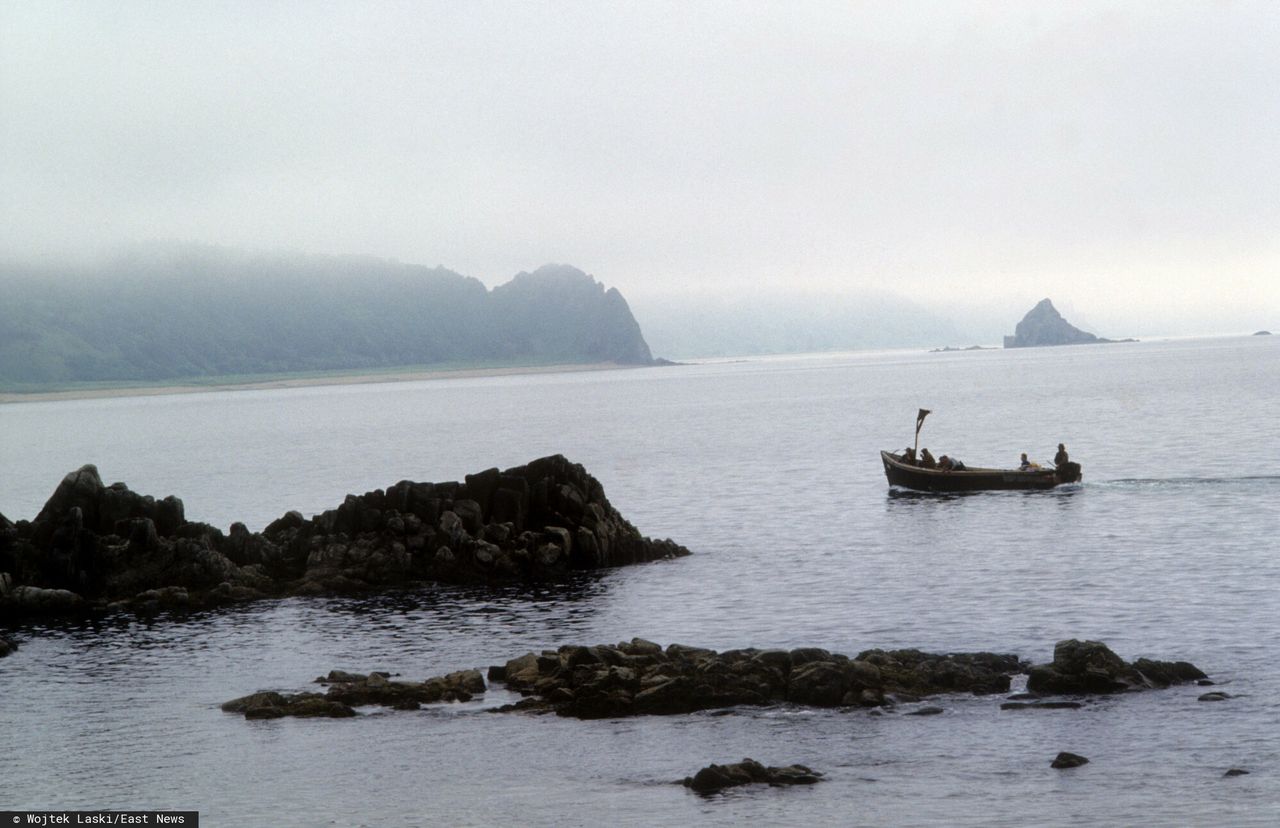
748,772
94,545
1090,667
350,690
638,677
7,646
1066,759
1043,325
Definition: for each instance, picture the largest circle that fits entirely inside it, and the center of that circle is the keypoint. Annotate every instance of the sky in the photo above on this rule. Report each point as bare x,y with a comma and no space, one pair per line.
1122,158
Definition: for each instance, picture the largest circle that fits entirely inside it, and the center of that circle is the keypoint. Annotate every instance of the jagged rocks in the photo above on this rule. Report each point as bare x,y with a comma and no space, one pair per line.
7,646
749,772
1089,667
94,545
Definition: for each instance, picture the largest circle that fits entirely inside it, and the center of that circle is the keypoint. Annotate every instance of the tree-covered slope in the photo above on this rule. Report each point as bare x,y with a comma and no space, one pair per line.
209,312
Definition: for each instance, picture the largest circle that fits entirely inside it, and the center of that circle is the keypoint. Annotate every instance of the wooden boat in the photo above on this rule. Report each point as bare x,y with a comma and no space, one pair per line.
972,479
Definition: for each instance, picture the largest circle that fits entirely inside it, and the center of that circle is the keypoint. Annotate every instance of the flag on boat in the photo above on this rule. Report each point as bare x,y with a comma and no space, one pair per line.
924,412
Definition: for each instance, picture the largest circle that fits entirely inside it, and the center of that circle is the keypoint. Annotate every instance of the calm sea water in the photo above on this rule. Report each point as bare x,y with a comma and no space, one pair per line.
768,471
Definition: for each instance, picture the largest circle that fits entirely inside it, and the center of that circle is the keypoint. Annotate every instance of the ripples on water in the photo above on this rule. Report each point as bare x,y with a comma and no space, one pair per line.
769,471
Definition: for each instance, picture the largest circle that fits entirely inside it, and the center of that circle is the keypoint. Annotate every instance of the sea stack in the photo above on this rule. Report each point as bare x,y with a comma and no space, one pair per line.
1043,325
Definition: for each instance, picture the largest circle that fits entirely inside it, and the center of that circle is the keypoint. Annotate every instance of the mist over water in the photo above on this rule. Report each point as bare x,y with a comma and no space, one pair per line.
768,470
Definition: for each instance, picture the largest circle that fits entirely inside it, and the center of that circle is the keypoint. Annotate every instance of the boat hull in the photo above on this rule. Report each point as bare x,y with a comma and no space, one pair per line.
974,480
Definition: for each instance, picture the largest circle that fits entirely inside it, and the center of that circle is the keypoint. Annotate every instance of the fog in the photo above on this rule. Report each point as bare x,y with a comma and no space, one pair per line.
969,158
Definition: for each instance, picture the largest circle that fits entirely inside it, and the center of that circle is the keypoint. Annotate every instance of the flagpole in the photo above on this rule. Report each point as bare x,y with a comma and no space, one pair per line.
924,412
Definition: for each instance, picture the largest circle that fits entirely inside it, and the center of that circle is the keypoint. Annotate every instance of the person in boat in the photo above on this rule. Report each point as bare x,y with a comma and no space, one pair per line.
1027,465
1061,456
926,460
950,464
909,456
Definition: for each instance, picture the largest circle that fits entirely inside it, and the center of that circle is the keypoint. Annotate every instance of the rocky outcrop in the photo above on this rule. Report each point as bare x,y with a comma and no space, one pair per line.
640,677
7,646
1066,759
749,772
1043,325
94,545
348,691
1090,667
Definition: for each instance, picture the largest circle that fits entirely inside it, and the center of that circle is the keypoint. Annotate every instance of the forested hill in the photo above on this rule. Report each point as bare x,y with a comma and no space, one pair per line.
210,312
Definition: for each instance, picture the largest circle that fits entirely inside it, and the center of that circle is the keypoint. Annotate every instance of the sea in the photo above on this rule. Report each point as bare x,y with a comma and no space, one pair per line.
768,469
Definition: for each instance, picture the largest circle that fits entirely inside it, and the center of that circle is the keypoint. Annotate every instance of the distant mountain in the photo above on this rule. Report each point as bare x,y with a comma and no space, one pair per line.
1043,325
184,313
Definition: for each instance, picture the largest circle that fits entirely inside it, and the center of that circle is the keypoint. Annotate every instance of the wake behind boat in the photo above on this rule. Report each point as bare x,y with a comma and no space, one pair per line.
924,475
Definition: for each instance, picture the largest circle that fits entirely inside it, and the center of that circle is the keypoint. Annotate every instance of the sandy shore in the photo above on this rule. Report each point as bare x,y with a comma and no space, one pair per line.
301,382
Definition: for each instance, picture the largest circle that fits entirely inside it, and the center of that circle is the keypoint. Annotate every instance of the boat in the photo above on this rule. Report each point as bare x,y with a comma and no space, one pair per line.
972,479
909,475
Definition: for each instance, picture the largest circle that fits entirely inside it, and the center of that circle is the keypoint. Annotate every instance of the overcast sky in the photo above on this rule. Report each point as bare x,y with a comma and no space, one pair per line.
1123,158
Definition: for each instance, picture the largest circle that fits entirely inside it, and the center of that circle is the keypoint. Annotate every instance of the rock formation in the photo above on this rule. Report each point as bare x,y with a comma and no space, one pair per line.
1066,759
350,690
92,545
1043,325
1084,667
749,772
641,677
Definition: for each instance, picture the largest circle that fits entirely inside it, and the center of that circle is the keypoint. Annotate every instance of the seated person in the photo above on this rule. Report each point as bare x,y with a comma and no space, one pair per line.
945,463
1061,456
926,459
1027,465
909,456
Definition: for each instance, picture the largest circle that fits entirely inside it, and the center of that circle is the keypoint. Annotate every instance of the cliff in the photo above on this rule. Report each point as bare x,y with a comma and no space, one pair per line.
195,312
1043,325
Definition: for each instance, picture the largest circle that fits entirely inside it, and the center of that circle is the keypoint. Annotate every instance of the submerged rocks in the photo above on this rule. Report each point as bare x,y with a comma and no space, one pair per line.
1090,667
748,772
350,690
94,545
639,677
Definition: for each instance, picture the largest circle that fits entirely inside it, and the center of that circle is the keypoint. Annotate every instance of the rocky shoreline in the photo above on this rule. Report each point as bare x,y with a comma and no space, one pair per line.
95,547
640,677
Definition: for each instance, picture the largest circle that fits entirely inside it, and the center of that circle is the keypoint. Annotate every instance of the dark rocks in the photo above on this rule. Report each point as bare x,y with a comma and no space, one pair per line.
1166,673
93,545
1090,667
748,772
1215,696
639,677
7,646
270,705
1068,760
350,690
1236,772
